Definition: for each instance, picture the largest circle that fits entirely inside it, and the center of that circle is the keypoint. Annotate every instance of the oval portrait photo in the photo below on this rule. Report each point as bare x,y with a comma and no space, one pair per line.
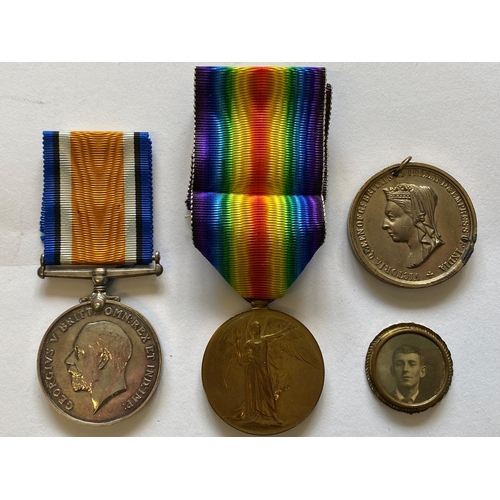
409,367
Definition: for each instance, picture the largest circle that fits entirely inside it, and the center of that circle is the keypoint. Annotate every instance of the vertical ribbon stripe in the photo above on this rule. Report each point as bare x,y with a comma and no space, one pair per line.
257,187
97,199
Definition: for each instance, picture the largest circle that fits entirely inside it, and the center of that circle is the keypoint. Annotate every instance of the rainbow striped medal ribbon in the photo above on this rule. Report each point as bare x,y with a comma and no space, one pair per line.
256,196
100,361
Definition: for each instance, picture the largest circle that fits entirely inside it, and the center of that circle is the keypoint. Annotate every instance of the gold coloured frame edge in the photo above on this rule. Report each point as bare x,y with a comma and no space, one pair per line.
371,372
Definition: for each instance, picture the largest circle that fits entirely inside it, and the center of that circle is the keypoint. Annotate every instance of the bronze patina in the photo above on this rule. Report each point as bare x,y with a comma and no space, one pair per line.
263,372
412,225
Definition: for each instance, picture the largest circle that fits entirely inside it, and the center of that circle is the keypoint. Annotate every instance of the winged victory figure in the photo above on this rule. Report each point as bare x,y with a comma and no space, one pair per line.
263,350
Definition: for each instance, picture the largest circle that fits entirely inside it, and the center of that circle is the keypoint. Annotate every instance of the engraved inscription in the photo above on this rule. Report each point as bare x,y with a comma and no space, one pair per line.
376,185
98,361
150,352
454,257
130,319
410,218
360,232
71,320
462,207
396,273
50,381
140,393
424,174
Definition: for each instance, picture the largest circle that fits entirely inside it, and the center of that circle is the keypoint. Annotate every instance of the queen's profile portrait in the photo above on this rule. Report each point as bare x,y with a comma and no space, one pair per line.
410,218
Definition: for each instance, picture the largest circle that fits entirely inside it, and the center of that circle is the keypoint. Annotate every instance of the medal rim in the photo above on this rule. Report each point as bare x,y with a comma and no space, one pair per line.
371,370
119,419
468,249
212,338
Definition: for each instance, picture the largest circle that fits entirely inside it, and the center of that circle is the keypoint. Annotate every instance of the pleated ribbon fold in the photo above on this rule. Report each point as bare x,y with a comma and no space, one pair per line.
258,178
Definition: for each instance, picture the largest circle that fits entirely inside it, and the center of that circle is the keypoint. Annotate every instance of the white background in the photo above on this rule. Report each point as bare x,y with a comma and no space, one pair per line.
447,115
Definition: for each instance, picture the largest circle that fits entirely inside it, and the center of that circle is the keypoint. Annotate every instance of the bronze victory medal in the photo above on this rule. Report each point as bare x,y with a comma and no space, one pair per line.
99,367
412,225
263,372
409,367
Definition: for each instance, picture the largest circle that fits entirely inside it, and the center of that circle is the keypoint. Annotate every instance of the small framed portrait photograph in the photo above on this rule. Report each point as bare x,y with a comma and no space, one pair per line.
409,367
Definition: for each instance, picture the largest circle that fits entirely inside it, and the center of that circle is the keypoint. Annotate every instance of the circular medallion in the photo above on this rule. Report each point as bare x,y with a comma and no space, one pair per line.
99,368
409,367
263,372
412,225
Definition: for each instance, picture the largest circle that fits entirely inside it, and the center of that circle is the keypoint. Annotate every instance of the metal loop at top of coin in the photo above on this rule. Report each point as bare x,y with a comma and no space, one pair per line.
412,225
263,372
409,367
99,367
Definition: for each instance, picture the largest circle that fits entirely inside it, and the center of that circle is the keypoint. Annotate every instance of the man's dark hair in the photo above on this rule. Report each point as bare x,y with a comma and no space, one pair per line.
407,349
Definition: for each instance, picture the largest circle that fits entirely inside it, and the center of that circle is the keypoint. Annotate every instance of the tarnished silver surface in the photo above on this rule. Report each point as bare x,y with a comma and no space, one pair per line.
82,272
99,366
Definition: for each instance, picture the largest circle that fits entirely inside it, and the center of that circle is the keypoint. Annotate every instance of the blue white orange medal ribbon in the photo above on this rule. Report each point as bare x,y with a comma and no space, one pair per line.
97,223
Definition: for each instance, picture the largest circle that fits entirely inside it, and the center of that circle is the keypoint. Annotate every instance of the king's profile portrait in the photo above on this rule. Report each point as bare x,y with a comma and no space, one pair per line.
98,361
